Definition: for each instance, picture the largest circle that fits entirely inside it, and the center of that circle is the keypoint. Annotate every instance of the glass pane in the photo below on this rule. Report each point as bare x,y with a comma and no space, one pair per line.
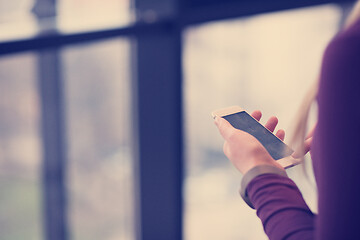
90,14
20,149
16,19
263,62
100,169
15,10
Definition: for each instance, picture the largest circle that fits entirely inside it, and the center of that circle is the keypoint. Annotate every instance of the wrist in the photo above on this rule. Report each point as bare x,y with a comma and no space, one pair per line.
258,159
255,172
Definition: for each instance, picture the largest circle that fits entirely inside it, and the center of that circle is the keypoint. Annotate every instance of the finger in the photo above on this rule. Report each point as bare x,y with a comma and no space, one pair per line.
280,134
271,123
311,133
307,147
256,114
225,128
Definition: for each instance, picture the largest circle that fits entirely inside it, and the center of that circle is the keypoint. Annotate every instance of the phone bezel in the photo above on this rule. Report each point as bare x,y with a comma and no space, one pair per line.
226,111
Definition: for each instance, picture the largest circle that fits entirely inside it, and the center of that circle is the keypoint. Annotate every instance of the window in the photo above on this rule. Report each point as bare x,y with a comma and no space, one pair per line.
100,163
20,149
105,103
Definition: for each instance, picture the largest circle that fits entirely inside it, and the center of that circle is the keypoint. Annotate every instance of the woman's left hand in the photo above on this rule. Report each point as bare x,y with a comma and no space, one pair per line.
244,150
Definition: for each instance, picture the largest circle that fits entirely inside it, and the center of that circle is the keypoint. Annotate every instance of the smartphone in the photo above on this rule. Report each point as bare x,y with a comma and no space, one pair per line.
241,120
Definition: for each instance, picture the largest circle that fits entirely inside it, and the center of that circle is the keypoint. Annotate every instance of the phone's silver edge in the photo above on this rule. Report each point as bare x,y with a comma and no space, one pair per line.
288,162
226,111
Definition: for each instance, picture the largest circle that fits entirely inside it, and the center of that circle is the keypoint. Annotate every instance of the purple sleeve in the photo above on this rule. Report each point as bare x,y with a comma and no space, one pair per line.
281,208
336,158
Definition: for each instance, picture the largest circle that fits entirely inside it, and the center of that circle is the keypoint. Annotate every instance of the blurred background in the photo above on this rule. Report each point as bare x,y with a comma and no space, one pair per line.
105,126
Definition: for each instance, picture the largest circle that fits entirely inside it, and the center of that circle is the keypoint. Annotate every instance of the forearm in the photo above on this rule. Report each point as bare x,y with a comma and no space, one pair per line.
281,207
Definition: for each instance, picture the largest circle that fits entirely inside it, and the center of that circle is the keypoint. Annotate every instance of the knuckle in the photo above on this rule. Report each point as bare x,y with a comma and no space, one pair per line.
232,136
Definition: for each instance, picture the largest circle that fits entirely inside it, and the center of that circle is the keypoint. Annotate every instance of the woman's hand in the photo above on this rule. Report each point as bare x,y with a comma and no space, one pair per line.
244,150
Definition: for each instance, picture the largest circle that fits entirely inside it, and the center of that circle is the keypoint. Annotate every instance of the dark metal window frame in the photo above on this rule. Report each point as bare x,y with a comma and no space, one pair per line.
157,101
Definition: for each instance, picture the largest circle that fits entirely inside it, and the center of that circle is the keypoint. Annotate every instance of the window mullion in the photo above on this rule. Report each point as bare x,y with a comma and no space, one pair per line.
54,155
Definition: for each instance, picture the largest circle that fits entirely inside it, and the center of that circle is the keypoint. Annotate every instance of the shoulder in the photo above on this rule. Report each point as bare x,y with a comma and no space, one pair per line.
346,43
340,71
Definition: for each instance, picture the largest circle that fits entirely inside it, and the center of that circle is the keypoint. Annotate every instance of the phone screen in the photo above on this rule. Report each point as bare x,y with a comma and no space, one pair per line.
243,121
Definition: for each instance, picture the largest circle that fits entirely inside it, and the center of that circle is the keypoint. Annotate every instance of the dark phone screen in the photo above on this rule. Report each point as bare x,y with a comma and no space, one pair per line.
243,121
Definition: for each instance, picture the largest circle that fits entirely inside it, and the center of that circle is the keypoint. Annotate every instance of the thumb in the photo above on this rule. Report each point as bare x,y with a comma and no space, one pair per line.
225,128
